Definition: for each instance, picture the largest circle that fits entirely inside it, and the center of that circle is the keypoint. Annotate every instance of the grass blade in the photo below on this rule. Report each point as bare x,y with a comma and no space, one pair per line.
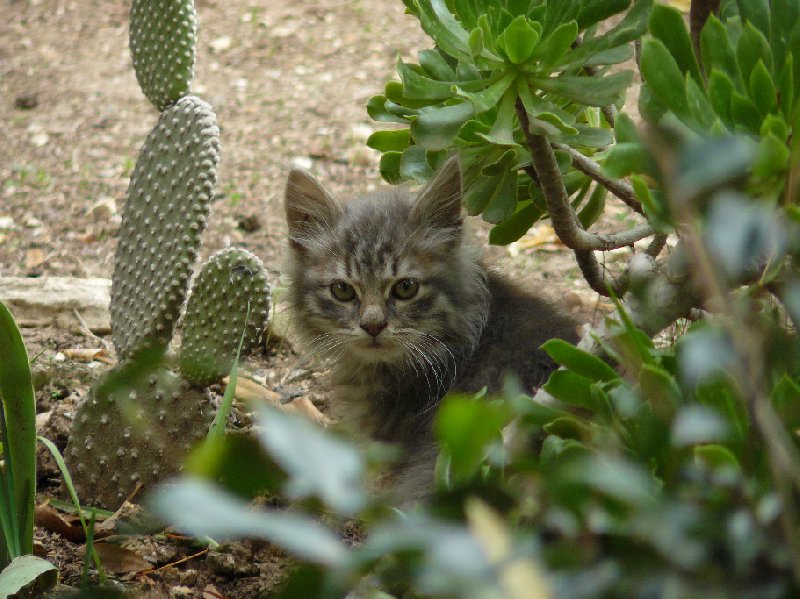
16,391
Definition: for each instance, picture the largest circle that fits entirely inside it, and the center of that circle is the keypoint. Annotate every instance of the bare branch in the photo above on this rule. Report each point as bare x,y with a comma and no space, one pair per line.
621,189
597,277
565,223
658,243
699,12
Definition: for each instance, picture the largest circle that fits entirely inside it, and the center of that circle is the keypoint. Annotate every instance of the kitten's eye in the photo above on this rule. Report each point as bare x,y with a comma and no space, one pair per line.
342,291
405,289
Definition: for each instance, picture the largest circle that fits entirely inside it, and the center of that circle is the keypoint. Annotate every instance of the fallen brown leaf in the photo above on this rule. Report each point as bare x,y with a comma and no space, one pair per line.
50,519
119,560
250,391
33,258
211,592
80,354
304,407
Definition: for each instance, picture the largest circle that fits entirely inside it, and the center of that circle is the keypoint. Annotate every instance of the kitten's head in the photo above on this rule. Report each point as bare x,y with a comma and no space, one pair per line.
384,278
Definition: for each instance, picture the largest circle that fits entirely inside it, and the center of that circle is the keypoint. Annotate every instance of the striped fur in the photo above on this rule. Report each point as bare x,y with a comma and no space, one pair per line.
454,334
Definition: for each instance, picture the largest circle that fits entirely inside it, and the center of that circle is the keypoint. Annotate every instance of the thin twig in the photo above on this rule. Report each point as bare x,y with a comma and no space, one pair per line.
622,189
87,331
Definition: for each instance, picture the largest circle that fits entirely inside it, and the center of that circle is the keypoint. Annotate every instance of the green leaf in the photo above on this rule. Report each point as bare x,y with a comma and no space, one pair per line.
592,91
201,509
665,80
559,13
595,11
435,128
502,131
466,427
318,463
786,86
478,195
616,478
627,158
417,86
503,201
488,98
439,23
19,403
518,40
616,55
631,27
699,106
515,226
435,65
784,18
752,47
588,137
755,12
395,140
390,167
660,390
715,456
717,51
762,89
667,25
376,109
654,205
744,113
27,576
573,389
625,129
593,209
579,361
720,90
414,165
772,157
557,44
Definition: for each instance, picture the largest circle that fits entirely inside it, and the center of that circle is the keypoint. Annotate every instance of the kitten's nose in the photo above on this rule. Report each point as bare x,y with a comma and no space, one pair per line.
373,327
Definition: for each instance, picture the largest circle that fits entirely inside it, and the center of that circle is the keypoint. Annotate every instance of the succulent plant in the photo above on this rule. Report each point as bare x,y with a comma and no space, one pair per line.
134,430
165,213
230,284
162,41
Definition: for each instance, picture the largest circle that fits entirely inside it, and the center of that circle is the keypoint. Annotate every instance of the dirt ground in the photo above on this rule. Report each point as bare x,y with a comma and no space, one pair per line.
288,80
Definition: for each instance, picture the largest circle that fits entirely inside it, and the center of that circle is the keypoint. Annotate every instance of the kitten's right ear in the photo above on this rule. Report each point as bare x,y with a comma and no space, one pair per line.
308,204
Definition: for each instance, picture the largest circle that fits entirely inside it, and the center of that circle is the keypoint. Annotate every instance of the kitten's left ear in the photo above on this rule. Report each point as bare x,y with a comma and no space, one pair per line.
308,203
439,203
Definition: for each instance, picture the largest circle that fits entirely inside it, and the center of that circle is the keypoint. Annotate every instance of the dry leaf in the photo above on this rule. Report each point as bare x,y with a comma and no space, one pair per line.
211,592
119,560
304,407
251,391
540,235
80,354
50,519
33,258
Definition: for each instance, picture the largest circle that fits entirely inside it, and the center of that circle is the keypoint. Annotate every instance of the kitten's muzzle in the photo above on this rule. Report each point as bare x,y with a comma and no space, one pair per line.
373,327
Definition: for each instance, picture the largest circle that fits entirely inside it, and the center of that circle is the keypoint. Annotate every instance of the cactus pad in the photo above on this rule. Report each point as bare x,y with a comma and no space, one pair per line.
215,314
165,213
162,41
132,433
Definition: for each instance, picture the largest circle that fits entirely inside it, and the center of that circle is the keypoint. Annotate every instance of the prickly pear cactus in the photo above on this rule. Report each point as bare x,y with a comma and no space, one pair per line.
231,280
164,216
129,433
162,41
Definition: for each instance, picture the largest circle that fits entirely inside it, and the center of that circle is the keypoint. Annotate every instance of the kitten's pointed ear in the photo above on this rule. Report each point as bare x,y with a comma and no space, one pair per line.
439,203
308,204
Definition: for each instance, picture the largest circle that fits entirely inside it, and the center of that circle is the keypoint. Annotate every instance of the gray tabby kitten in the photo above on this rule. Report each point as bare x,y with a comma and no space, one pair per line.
386,286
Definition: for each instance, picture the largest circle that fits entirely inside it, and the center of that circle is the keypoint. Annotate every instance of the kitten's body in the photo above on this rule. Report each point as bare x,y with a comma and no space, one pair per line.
464,328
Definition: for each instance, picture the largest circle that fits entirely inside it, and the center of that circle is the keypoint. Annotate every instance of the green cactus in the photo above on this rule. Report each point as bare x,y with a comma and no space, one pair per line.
165,213
162,41
231,281
136,430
